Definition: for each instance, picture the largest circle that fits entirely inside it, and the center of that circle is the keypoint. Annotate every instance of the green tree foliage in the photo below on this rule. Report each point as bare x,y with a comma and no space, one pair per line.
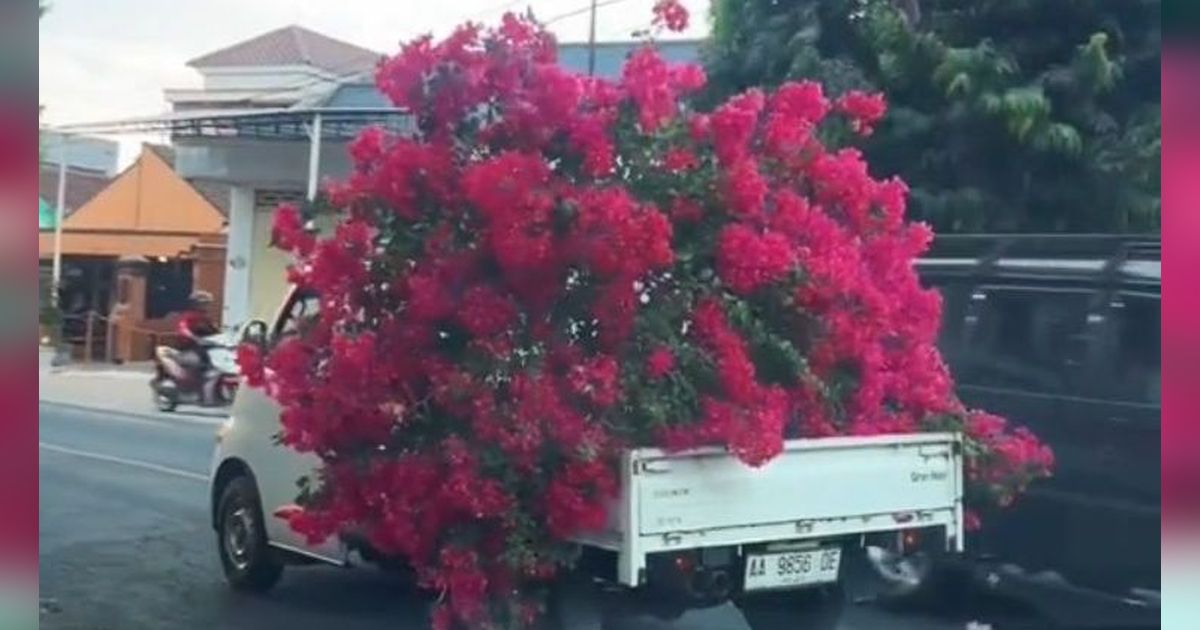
1005,115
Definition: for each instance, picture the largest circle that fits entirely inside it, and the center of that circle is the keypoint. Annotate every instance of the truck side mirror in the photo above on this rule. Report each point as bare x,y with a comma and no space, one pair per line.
255,332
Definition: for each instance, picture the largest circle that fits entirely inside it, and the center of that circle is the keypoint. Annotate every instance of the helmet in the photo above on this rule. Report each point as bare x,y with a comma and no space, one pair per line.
200,298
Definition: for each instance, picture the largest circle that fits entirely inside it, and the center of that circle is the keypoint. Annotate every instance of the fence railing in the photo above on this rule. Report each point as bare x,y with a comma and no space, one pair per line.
86,330
95,334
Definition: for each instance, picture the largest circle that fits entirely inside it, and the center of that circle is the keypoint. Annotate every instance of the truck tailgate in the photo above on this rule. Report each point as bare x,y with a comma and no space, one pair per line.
828,478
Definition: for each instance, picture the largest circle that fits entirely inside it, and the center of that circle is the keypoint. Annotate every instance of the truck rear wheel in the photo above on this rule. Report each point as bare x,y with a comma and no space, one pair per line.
811,609
242,539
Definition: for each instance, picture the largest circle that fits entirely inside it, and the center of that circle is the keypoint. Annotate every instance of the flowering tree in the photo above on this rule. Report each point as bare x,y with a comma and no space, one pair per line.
556,267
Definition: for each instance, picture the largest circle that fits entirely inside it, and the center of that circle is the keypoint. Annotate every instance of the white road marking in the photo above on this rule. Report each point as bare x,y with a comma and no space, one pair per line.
112,459
145,418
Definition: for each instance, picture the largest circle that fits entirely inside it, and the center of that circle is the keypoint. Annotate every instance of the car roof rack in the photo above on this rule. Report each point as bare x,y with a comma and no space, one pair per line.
1103,257
1047,246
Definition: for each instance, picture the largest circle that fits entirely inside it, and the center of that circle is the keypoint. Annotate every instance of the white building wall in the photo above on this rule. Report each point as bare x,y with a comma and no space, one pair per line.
238,258
261,77
268,275
263,174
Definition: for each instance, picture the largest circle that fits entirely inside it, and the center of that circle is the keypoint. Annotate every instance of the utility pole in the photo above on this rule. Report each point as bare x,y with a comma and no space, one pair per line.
592,40
314,157
60,202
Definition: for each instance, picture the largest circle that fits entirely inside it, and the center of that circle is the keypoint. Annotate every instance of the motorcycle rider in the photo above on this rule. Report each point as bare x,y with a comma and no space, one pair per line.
190,358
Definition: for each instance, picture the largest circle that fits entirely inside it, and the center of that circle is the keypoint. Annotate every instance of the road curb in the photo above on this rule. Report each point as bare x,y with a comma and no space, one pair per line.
115,374
180,419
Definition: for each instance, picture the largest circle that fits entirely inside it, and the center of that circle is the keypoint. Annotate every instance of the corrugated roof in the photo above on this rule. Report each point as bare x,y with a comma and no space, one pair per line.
215,193
164,151
358,94
292,45
81,186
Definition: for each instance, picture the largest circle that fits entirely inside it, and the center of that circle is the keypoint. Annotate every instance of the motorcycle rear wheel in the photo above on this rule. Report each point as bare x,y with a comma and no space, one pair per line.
226,391
165,399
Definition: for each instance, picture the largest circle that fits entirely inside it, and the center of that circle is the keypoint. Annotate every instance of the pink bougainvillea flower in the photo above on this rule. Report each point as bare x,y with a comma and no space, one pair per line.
548,252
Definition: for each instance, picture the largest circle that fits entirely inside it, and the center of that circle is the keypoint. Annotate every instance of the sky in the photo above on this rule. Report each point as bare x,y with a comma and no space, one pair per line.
111,59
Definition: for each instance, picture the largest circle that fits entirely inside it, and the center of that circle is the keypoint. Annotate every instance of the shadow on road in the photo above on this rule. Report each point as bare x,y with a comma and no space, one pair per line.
345,593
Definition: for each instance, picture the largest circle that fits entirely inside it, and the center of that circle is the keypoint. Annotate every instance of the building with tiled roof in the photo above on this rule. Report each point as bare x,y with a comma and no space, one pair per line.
291,46
82,185
279,68
133,251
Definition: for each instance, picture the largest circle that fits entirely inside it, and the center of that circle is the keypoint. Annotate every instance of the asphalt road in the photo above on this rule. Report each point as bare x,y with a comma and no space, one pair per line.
125,545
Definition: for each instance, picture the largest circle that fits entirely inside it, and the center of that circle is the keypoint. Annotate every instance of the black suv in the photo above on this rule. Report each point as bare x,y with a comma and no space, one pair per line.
1061,334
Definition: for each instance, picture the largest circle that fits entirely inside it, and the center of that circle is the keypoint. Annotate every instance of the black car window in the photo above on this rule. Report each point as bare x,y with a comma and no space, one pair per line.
1028,339
955,296
1137,349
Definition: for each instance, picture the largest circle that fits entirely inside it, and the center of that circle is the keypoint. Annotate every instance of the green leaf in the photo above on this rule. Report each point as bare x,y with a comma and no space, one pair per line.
959,86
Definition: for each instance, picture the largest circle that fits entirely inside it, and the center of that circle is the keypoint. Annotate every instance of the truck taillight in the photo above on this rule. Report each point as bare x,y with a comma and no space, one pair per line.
910,540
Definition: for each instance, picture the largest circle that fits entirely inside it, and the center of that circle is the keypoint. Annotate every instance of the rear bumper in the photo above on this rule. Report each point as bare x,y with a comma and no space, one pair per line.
1060,601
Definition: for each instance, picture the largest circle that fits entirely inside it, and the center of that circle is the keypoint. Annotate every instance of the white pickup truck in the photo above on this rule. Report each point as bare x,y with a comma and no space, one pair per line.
689,529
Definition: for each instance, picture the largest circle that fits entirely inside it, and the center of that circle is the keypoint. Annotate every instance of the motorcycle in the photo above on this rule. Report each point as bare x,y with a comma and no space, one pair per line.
174,384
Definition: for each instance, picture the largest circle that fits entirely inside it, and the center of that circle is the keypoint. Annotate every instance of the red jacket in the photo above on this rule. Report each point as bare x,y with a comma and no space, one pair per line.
193,325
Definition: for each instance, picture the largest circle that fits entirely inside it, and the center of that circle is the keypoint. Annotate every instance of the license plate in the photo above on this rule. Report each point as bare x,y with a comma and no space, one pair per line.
792,568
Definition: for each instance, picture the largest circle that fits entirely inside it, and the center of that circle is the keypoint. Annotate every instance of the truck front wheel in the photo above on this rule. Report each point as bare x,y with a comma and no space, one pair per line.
811,609
242,540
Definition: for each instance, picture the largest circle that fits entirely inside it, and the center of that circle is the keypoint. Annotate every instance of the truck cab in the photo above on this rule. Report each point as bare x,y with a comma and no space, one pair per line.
253,475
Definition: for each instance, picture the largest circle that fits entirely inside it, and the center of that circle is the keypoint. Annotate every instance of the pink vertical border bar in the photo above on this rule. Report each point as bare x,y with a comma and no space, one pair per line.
1181,284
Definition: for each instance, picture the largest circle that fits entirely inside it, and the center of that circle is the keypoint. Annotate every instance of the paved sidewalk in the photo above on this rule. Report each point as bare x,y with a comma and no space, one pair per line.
123,389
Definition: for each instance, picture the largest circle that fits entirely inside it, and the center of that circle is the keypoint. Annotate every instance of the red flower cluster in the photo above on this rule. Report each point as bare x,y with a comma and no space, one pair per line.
796,110
863,110
671,14
732,126
288,233
677,160
660,363
499,300
747,261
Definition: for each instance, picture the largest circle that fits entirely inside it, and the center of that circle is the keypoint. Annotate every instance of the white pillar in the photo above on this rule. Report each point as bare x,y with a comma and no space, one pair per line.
239,249
59,214
314,157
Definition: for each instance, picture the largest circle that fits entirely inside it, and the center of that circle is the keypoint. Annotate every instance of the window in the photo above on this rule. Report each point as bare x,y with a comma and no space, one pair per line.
955,298
1137,362
168,287
1027,339
301,311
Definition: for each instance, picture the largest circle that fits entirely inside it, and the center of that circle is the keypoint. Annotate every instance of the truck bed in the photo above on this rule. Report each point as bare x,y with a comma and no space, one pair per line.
816,488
